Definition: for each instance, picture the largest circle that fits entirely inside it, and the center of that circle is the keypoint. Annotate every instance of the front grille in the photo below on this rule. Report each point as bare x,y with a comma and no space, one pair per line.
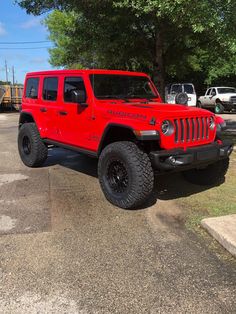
233,99
191,129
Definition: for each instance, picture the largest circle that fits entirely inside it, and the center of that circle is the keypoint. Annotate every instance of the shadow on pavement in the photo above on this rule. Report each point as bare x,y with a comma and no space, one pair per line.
167,187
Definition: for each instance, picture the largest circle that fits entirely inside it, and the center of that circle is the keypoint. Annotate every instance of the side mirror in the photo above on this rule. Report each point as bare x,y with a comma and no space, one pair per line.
79,97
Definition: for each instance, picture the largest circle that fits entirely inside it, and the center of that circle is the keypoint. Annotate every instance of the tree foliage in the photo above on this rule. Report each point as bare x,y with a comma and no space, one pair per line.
169,39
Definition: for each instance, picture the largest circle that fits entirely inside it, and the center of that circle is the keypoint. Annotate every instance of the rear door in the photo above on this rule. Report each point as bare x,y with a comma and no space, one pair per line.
49,106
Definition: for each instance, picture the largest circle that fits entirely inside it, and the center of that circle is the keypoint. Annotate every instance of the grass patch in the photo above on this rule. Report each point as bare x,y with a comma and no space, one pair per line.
216,201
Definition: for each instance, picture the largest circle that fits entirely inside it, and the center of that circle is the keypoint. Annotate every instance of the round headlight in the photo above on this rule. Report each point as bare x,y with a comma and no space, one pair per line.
212,123
167,127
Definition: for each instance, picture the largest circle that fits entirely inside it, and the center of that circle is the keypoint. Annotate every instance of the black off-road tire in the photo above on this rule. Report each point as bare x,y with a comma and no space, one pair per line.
130,163
219,108
212,174
32,150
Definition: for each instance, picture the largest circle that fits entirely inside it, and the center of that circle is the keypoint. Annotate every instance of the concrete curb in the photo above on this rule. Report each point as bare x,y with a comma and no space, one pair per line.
223,229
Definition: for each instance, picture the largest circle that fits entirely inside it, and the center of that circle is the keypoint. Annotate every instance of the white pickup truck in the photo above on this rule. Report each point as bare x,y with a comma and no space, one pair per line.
219,99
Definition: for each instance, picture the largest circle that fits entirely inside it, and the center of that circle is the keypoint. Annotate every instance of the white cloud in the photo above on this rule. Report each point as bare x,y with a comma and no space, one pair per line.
2,29
33,22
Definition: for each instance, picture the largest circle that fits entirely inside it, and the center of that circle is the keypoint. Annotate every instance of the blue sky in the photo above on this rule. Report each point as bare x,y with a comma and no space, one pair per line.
16,25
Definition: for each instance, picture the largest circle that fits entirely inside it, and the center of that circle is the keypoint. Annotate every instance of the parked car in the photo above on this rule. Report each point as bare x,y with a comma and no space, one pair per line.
218,99
119,118
181,93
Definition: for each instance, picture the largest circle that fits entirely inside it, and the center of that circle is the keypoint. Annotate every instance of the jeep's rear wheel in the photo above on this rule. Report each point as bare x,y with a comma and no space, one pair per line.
32,150
125,174
212,174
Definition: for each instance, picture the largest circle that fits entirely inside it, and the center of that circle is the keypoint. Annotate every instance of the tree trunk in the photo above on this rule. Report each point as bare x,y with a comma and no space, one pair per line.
159,62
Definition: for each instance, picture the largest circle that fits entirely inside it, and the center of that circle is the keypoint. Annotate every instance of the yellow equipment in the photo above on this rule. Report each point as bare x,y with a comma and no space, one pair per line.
12,96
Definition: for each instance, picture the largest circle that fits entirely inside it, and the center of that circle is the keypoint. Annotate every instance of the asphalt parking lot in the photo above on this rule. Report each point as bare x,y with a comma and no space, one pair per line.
65,249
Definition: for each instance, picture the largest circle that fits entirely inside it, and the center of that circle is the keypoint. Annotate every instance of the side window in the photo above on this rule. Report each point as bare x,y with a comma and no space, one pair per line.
73,84
50,87
209,91
213,92
32,86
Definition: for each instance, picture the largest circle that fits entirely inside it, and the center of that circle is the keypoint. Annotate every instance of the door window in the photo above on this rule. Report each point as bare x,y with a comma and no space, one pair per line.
208,92
32,86
213,92
73,84
50,87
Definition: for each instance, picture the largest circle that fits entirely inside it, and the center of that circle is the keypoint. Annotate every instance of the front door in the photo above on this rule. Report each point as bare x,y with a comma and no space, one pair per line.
207,97
75,119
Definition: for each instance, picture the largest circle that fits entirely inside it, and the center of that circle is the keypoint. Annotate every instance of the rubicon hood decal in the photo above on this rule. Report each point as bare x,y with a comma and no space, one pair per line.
130,115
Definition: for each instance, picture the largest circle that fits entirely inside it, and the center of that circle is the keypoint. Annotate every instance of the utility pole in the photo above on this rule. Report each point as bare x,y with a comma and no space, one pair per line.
13,75
6,69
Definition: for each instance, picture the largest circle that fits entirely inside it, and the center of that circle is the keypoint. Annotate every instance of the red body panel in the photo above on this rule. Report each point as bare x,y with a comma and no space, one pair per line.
84,127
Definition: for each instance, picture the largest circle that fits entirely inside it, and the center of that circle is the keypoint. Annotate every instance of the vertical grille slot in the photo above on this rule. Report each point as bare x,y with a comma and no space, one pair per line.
182,130
198,129
203,128
207,128
176,131
188,130
193,129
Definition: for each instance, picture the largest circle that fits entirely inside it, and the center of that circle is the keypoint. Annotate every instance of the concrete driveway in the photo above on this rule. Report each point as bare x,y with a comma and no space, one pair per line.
65,249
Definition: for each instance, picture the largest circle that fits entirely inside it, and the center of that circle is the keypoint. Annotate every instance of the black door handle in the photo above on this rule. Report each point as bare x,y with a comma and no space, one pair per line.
63,113
43,109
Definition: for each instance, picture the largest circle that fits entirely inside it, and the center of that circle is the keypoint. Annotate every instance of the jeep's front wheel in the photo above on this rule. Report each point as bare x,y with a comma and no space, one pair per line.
212,174
125,174
32,150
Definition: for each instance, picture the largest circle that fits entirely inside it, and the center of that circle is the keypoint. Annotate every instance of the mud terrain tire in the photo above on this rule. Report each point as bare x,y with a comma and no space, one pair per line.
32,150
125,174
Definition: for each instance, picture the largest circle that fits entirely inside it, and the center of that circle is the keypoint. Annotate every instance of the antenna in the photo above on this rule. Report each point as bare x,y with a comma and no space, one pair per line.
13,75
6,69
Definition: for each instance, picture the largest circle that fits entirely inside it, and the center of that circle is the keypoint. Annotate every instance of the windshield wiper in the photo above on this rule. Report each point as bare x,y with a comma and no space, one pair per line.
144,99
113,97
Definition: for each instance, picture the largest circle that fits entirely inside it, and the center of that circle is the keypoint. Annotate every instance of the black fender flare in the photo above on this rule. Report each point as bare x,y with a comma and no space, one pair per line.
25,117
108,129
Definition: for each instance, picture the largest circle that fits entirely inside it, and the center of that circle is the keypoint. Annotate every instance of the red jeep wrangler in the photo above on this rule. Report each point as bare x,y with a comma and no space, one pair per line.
119,118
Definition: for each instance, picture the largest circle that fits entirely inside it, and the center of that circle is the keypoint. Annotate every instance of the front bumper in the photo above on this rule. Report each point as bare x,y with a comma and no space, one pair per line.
228,105
179,159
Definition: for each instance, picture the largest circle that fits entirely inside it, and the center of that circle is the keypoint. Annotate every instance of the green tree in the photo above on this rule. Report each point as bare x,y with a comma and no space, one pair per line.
171,38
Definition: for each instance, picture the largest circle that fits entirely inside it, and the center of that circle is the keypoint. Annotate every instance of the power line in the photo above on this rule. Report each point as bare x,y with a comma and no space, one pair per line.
23,48
23,42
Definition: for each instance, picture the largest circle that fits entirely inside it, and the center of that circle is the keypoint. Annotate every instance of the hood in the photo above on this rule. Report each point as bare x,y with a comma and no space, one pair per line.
170,110
145,112
228,95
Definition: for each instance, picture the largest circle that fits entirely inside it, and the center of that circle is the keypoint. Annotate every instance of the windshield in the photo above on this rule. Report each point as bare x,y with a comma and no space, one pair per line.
188,89
226,90
121,86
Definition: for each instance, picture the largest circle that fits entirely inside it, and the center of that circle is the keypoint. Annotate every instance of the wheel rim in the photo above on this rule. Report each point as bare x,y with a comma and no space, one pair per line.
26,145
117,176
217,108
